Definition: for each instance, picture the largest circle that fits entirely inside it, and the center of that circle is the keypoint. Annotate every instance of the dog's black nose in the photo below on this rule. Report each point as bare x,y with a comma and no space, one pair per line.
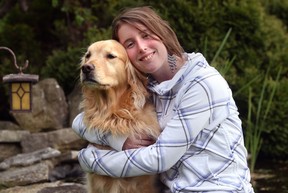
87,68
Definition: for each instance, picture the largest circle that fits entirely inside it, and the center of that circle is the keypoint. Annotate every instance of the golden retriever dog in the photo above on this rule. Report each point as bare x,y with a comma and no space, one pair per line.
115,100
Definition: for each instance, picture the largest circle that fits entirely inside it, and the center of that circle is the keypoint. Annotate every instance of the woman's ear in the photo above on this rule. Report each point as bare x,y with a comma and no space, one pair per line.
138,83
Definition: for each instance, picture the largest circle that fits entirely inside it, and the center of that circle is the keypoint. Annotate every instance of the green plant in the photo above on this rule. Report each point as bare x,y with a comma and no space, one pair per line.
256,121
223,67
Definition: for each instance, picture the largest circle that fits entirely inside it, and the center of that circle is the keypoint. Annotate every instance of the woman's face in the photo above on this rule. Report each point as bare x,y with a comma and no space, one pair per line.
145,50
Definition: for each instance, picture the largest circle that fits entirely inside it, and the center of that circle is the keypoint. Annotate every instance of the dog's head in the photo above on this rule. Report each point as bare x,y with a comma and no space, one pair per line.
106,66
103,65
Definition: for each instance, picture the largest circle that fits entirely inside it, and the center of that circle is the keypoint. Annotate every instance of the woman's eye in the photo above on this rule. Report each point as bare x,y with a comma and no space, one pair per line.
145,36
129,45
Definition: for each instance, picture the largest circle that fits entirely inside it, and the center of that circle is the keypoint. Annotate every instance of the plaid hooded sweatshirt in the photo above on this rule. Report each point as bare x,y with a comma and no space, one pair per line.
201,146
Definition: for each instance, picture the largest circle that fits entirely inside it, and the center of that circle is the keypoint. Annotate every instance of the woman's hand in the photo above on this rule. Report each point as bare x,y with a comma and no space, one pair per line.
137,142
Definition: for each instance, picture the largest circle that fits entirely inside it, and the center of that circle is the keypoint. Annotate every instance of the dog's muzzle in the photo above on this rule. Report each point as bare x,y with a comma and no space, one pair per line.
88,72
87,68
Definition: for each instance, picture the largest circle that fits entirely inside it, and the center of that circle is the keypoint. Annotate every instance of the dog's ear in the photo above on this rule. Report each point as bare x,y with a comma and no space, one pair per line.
138,83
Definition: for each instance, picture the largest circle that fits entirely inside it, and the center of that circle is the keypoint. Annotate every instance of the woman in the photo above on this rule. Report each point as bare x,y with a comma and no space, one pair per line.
201,146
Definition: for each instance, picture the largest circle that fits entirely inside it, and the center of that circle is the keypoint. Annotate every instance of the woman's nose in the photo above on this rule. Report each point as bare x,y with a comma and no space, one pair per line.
142,47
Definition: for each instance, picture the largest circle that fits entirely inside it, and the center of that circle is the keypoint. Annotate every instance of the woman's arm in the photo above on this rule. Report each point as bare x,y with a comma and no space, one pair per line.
199,109
94,136
171,145
156,158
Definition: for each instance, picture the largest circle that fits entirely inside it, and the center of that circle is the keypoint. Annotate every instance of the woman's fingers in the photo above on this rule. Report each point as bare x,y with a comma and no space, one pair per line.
137,142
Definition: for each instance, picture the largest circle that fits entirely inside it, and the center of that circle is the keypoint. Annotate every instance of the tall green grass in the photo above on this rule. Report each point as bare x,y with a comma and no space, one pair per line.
257,116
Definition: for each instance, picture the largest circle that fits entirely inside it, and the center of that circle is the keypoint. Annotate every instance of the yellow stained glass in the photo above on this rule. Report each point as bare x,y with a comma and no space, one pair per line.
26,87
20,96
26,101
15,87
16,102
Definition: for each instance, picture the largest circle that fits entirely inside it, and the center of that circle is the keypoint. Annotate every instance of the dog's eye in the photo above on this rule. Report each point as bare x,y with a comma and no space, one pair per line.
111,56
87,55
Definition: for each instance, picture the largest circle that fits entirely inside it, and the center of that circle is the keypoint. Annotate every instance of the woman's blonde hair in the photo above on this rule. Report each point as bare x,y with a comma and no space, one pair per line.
149,18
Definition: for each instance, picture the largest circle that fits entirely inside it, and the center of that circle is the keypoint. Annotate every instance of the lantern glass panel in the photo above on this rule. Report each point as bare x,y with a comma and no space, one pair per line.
21,96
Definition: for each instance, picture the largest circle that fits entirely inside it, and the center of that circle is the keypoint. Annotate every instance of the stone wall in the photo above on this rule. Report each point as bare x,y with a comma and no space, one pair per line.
39,153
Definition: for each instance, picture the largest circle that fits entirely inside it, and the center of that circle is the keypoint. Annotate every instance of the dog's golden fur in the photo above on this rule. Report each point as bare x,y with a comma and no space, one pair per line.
115,100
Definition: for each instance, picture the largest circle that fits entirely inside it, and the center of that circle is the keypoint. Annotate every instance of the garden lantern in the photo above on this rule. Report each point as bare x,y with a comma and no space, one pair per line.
20,87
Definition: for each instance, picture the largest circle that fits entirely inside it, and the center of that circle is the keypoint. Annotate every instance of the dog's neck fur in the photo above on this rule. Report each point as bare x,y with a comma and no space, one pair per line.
105,104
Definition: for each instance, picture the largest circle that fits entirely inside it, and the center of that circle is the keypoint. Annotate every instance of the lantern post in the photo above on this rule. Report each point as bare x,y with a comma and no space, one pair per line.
20,86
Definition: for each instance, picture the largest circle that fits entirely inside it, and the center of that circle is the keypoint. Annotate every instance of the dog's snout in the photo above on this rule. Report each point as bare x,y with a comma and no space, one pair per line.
87,68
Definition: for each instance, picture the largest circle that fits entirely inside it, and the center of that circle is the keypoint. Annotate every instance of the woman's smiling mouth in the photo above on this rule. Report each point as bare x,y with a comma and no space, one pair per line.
148,57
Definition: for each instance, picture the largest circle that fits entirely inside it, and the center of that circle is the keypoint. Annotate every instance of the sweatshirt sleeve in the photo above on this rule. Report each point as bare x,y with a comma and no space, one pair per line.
134,162
94,136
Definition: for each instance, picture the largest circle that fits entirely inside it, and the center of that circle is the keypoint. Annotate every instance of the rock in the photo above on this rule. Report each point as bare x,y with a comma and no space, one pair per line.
29,158
10,142
12,135
47,188
9,149
49,110
35,188
39,154
25,175
70,156
64,189
62,139
68,171
7,125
